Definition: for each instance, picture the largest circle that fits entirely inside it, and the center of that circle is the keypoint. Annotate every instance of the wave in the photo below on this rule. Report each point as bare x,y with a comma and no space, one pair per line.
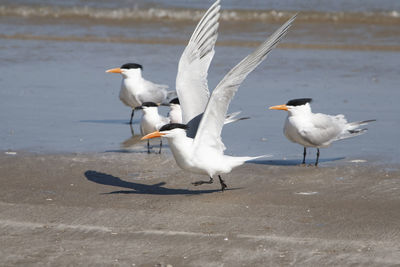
175,14
174,41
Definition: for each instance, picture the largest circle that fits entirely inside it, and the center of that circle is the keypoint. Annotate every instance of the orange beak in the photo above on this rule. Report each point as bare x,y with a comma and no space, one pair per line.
279,107
116,70
152,135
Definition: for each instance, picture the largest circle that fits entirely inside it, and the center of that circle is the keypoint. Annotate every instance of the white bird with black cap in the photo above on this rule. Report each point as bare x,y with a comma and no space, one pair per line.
175,113
151,121
318,130
135,90
202,150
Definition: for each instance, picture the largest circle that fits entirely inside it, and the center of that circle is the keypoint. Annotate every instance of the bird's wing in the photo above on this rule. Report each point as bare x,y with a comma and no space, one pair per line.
156,93
161,86
191,80
209,131
324,130
155,86
232,117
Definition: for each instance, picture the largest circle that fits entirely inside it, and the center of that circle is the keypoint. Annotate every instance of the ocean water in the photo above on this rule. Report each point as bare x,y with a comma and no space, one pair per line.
56,97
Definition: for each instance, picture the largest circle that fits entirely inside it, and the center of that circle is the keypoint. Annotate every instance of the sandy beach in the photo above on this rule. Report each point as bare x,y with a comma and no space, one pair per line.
78,189
134,209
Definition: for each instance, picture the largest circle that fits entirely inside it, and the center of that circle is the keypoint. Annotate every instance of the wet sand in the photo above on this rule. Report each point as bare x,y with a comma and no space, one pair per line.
111,205
134,209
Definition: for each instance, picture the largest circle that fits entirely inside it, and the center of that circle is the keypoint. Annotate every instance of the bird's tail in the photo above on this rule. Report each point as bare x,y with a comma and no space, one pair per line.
237,161
356,124
245,159
353,129
257,157
232,117
170,95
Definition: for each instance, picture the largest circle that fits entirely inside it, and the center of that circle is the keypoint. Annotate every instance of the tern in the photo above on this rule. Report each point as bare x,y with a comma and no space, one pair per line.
203,152
151,121
175,113
316,129
135,90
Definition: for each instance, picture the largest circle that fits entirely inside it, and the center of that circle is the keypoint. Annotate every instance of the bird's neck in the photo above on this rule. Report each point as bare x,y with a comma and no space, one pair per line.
176,111
135,76
175,108
151,113
301,111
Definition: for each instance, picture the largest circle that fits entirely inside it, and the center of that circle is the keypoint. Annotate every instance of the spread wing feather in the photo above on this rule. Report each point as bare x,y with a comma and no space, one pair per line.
191,80
209,131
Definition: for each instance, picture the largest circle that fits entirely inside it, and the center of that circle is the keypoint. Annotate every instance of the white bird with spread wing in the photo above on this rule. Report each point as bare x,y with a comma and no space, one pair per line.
196,144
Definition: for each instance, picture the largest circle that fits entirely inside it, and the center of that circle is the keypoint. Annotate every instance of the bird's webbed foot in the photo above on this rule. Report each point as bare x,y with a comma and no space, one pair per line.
203,182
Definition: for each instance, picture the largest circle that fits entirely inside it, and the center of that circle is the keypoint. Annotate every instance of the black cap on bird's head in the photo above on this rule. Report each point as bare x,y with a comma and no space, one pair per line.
132,66
292,103
175,101
125,67
164,130
171,126
298,102
149,104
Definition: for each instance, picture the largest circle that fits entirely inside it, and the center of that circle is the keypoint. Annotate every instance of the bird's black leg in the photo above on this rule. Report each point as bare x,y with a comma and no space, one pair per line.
203,182
223,185
132,131
133,112
316,162
148,146
304,155
159,152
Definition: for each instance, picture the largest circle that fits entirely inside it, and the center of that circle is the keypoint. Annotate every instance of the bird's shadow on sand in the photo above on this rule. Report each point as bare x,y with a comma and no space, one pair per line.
137,188
291,162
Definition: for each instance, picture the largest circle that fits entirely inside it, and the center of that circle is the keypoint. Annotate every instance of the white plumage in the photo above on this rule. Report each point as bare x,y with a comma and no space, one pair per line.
318,130
204,153
135,90
151,121
175,113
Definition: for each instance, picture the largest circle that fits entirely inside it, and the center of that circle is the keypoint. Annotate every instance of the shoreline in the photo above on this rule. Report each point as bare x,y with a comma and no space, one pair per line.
226,43
128,208
135,149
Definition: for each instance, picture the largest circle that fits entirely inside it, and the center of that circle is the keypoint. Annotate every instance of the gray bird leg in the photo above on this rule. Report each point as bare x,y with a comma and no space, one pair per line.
223,185
316,162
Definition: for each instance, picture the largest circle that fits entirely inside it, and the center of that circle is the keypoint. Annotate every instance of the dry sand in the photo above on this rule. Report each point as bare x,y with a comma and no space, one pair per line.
132,209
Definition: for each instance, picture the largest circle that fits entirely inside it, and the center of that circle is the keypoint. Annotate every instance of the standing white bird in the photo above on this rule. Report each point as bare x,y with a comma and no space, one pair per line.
204,153
135,90
316,129
175,114
151,121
